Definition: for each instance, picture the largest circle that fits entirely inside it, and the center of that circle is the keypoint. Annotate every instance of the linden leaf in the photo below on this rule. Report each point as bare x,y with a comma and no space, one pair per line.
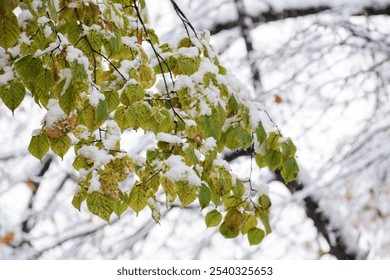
61,145
227,232
204,196
29,68
255,236
137,198
39,145
101,205
13,94
213,218
9,28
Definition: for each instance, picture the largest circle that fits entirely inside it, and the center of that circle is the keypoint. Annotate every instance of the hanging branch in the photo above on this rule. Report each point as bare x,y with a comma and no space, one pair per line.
184,19
159,59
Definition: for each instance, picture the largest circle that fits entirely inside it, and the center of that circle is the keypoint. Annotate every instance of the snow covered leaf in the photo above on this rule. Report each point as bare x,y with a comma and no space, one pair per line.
101,205
255,236
39,145
137,199
12,94
213,218
61,145
9,29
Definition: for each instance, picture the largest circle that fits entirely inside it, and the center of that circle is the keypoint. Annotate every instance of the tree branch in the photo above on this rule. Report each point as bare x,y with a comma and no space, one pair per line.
272,15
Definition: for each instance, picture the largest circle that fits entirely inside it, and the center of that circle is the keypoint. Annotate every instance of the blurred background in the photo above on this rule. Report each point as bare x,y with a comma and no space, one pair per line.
322,69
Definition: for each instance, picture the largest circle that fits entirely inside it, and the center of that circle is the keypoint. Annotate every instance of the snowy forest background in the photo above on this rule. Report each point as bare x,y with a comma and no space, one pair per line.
322,70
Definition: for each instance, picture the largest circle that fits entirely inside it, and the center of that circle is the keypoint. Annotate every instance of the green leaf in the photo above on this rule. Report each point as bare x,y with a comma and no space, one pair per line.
255,236
185,43
137,199
186,65
260,160
232,106
250,222
265,220
112,99
9,28
264,202
132,93
260,133
204,196
170,190
234,219
213,218
44,85
227,232
237,137
288,148
29,68
273,141
69,99
121,205
39,145
186,193
146,76
209,127
95,116
122,117
273,159
290,170
61,145
13,94
79,198
101,205
101,112
239,188
160,121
